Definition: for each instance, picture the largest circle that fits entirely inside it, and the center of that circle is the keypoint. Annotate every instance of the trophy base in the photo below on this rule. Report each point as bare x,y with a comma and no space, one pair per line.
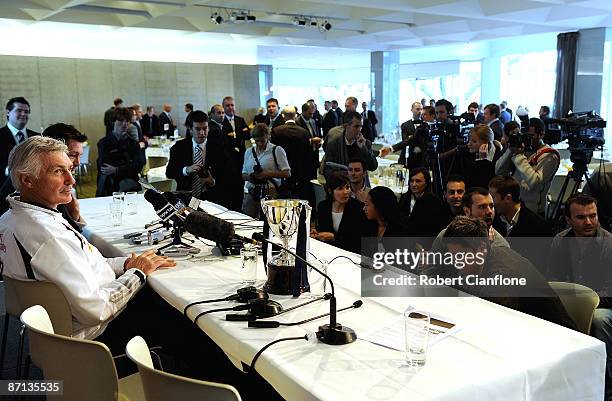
336,335
279,279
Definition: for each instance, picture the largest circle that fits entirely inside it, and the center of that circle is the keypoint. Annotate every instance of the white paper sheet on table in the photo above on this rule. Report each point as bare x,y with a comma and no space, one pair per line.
391,334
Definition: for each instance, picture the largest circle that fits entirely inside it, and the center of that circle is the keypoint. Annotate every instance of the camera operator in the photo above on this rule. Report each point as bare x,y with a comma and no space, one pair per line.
534,171
265,165
417,143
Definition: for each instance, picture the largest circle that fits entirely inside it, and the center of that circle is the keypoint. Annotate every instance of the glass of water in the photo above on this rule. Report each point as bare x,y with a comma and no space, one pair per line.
131,202
417,335
119,198
249,265
116,213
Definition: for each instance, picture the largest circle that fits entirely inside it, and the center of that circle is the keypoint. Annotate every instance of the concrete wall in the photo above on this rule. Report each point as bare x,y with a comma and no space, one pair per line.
78,91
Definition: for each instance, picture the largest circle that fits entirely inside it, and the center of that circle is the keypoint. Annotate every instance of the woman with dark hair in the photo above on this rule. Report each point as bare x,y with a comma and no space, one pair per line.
421,209
340,219
381,207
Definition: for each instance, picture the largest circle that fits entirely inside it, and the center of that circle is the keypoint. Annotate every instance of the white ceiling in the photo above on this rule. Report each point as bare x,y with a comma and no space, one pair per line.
358,24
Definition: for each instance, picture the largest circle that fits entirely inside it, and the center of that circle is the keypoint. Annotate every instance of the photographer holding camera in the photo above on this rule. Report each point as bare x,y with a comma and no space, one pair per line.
534,170
265,165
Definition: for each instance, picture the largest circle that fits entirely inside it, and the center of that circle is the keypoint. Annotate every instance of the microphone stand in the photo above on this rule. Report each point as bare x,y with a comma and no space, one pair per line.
333,333
177,240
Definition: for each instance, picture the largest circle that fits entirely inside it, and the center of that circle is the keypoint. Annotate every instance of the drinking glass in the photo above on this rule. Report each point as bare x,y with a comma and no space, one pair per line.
417,333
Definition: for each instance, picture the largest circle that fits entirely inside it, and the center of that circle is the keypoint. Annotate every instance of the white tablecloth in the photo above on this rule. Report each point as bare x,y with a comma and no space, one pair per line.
498,354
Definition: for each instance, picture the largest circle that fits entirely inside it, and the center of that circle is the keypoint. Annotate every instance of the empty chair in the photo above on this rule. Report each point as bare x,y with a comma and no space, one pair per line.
579,302
162,386
86,367
20,295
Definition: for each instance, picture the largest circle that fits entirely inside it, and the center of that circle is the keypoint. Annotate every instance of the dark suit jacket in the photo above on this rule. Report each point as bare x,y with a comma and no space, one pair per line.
163,120
242,133
369,125
181,155
498,130
428,216
408,130
314,153
123,154
339,113
7,142
352,226
330,120
150,125
279,121
295,140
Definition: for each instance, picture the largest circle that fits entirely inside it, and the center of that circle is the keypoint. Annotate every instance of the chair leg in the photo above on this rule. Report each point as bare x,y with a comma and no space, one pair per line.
20,351
4,335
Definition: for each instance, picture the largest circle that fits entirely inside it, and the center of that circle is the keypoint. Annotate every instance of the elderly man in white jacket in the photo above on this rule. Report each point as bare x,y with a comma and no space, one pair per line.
37,243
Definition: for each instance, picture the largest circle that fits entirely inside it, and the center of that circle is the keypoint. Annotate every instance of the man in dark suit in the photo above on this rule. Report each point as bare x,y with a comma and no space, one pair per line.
236,132
14,132
369,117
166,123
273,117
317,117
150,123
491,118
338,111
350,104
197,163
515,221
295,140
307,121
109,115
408,130
330,119
187,124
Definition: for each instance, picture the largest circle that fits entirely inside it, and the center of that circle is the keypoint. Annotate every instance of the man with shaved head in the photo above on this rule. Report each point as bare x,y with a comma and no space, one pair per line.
166,123
295,140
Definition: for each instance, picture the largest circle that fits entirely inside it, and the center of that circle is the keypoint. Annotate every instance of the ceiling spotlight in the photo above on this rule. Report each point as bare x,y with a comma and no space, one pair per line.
240,18
216,18
313,23
250,18
326,26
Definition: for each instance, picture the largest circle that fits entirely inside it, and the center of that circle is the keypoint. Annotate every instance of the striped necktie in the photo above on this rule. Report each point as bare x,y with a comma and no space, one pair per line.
196,182
20,137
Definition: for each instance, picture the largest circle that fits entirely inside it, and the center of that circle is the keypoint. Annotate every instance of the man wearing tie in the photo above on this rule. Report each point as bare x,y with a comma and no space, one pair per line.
237,132
196,163
14,132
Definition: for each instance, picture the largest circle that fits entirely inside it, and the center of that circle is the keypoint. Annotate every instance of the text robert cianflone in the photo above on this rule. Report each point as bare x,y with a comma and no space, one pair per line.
467,280
404,258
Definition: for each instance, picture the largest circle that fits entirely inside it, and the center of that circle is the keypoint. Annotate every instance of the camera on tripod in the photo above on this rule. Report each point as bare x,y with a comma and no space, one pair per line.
584,132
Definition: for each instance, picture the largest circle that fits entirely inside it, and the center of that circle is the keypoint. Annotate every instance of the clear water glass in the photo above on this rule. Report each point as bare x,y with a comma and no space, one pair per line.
417,335
116,213
131,202
249,265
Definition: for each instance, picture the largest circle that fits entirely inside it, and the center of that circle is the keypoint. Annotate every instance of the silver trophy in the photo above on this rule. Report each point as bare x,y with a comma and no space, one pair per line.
283,216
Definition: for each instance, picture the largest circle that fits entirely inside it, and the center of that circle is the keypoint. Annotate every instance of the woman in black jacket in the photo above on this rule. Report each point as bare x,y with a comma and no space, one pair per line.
421,209
340,219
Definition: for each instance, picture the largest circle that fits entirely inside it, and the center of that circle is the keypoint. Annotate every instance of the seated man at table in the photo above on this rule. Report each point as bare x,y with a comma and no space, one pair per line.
346,144
500,269
197,163
37,243
583,254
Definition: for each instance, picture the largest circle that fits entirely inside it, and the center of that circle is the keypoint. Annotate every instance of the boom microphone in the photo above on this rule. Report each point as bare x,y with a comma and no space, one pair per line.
204,225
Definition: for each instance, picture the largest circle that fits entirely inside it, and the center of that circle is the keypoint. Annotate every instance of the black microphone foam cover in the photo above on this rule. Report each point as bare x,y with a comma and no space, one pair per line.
212,228
156,199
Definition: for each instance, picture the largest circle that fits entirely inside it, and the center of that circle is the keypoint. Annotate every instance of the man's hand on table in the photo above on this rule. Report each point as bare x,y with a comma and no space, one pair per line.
148,262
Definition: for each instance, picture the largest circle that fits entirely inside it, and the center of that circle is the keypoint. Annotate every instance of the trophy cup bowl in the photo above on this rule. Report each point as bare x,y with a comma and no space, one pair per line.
283,216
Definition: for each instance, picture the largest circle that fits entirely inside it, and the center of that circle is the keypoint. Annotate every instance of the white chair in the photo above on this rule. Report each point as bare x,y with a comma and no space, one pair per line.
20,295
579,302
162,386
86,367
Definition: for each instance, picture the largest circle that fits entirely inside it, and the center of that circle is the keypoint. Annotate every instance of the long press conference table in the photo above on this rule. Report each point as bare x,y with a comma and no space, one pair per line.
497,354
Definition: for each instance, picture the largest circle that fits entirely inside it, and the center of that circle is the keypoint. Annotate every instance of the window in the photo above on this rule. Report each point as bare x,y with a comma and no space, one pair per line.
528,80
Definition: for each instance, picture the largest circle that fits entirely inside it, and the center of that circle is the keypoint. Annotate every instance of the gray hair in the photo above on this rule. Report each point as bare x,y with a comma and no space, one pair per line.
25,158
289,113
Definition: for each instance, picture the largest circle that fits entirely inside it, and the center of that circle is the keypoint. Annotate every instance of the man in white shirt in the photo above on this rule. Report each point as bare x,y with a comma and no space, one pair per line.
39,244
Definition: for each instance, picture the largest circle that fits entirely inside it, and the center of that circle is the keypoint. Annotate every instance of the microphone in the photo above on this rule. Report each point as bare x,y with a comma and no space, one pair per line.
164,209
270,324
215,229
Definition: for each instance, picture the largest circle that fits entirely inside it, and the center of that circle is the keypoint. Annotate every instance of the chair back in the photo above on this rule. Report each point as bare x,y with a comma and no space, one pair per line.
86,367
20,295
157,161
162,386
164,185
579,302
